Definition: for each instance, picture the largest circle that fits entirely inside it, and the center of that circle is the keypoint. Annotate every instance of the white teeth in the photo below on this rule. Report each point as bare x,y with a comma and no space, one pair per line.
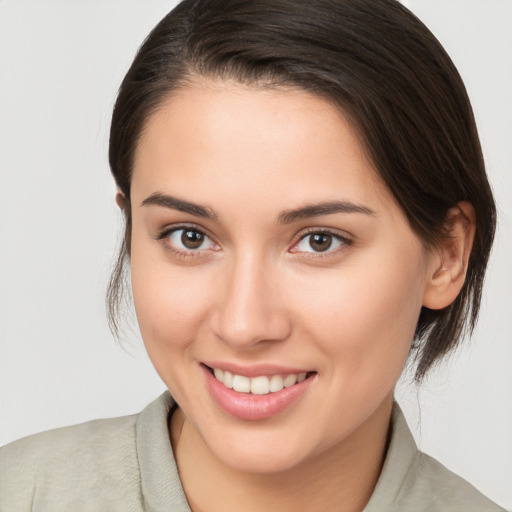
257,385
228,379
241,384
260,385
276,383
290,380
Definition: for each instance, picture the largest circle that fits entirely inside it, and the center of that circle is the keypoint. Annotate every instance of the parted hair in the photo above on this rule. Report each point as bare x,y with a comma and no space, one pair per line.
374,60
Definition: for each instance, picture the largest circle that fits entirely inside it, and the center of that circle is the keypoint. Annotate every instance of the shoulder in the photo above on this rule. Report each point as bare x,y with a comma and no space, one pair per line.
428,486
69,461
97,438
412,480
432,482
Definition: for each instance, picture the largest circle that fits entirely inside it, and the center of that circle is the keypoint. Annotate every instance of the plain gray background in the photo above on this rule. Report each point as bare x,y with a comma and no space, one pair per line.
61,62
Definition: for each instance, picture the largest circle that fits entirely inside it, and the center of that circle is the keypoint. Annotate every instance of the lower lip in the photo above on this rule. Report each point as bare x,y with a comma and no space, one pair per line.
246,406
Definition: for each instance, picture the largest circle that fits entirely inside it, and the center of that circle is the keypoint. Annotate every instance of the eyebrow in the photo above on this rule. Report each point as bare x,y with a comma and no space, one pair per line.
287,217
316,210
159,199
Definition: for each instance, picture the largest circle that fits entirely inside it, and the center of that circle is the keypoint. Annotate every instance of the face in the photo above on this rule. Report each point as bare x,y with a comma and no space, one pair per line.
268,257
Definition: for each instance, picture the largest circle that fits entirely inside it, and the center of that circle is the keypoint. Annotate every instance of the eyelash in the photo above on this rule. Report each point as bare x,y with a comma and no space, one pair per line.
345,242
177,252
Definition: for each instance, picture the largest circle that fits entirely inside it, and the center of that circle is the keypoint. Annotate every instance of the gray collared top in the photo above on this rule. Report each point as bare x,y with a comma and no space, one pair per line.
127,465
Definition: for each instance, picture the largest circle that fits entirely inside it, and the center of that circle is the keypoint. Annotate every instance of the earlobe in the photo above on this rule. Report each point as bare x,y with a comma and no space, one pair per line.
450,258
120,199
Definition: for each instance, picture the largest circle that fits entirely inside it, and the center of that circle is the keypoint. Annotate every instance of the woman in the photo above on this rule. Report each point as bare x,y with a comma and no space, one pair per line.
306,210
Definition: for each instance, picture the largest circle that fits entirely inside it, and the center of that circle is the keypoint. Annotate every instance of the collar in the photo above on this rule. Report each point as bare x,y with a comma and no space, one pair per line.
161,485
160,481
398,465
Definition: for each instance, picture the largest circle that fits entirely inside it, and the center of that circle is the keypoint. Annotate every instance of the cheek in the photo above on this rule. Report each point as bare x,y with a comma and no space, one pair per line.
366,312
171,303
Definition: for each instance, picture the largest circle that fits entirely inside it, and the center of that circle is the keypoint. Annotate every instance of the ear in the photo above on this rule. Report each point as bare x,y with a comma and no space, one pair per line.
450,258
120,199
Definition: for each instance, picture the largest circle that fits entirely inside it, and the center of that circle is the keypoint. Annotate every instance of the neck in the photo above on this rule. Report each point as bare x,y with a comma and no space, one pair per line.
343,478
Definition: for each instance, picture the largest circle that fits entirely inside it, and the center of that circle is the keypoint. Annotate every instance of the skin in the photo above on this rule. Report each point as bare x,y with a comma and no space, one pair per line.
257,292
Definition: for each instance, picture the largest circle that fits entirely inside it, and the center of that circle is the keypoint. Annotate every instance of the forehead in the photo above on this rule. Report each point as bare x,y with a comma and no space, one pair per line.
225,137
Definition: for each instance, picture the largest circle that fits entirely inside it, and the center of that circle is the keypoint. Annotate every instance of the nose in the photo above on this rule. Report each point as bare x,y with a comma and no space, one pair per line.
250,310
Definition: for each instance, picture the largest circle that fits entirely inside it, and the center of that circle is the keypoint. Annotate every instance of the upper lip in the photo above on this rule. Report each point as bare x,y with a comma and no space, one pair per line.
255,370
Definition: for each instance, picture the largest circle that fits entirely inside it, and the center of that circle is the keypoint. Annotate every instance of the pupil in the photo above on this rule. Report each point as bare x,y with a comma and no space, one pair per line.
192,239
320,242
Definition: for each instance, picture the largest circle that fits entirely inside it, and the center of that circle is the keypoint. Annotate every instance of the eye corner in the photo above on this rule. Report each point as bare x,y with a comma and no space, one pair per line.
336,243
172,239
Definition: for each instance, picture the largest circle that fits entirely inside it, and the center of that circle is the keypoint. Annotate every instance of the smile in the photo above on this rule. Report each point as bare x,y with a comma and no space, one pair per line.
261,385
268,392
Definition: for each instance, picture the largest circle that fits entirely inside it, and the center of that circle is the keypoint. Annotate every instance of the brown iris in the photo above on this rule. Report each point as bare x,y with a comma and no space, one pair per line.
192,239
320,242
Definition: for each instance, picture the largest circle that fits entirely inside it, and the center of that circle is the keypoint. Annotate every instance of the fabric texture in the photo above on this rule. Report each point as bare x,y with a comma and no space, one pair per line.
127,465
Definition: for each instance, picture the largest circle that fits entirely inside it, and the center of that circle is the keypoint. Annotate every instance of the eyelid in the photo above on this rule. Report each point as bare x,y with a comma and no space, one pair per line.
343,237
163,232
167,230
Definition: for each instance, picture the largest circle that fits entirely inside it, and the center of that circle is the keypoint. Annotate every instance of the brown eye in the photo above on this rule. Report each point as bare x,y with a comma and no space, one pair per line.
188,240
192,239
320,242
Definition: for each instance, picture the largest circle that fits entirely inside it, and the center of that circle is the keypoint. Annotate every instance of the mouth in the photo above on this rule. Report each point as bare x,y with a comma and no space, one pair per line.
258,385
268,392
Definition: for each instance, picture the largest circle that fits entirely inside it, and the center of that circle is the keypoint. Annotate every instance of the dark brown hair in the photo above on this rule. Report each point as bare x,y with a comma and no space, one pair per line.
373,59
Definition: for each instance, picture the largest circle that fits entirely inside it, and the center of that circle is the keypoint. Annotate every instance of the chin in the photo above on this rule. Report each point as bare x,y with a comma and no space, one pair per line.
260,461
260,452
